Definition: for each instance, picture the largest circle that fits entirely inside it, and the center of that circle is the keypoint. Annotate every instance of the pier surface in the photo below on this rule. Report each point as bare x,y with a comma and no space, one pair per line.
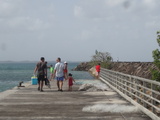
27,103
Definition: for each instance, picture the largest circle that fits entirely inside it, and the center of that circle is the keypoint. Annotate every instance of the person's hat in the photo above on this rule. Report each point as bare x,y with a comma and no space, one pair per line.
65,62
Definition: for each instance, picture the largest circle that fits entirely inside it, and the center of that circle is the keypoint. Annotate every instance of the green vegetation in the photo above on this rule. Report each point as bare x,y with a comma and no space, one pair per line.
104,58
156,57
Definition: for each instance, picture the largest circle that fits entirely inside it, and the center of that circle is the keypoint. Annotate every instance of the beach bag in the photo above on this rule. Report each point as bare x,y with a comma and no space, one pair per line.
47,81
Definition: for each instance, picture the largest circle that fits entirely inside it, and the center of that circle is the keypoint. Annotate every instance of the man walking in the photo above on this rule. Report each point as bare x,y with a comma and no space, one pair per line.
41,69
59,74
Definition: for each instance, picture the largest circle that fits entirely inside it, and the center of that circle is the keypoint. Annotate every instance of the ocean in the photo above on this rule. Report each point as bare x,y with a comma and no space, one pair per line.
11,73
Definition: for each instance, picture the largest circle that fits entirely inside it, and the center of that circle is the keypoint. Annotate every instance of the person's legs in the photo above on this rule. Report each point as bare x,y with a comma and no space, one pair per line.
61,83
98,75
58,84
51,77
38,82
40,85
41,79
69,88
42,82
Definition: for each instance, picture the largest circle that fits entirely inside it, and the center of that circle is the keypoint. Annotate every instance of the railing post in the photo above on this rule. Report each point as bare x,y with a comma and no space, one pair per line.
132,92
137,88
144,91
116,81
128,84
125,85
153,95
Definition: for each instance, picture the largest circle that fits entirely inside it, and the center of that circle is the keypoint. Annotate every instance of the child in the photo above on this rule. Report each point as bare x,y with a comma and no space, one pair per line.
70,82
98,68
51,69
65,69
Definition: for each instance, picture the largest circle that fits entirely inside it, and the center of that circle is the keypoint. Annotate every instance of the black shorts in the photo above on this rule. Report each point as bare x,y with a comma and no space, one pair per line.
41,78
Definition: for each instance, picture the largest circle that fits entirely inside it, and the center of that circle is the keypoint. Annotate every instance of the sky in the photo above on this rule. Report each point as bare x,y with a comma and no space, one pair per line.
74,29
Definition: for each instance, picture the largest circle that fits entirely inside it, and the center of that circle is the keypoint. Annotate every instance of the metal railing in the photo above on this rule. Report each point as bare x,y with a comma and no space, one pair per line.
141,92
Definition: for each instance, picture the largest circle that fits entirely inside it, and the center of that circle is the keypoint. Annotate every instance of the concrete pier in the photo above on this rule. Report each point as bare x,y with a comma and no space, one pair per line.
27,103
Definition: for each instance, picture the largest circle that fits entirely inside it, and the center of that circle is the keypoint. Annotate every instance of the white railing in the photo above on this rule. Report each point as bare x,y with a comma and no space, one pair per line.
141,92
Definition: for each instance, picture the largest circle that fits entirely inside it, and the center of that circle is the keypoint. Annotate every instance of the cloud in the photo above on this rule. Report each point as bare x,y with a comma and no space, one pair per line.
120,12
10,8
6,8
3,47
23,24
85,35
106,8
28,23
87,10
17,15
121,22
106,25
150,3
114,3
78,11
153,23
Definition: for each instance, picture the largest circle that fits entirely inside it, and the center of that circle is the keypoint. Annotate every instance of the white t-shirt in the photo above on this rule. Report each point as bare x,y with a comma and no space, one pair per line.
59,67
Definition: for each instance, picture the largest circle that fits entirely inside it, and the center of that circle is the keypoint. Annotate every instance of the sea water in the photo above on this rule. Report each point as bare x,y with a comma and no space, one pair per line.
11,73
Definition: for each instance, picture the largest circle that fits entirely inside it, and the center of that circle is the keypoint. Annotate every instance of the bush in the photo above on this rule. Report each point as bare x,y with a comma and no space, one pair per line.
104,58
101,57
156,57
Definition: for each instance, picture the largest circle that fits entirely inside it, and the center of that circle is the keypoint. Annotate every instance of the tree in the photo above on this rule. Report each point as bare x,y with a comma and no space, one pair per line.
102,57
156,57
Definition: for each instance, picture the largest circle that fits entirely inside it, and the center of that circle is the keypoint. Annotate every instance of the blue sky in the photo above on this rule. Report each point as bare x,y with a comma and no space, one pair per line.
74,29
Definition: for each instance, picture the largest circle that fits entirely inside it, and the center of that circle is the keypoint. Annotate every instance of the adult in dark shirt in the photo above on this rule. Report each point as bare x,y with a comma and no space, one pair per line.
41,70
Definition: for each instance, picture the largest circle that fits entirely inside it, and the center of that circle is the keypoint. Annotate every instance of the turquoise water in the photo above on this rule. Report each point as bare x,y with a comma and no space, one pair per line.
12,73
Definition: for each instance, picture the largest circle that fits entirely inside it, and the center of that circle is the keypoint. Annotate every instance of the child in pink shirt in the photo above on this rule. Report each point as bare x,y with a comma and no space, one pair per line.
70,82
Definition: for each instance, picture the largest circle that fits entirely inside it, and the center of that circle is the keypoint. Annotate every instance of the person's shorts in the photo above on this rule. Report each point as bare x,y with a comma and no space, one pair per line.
60,78
41,78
